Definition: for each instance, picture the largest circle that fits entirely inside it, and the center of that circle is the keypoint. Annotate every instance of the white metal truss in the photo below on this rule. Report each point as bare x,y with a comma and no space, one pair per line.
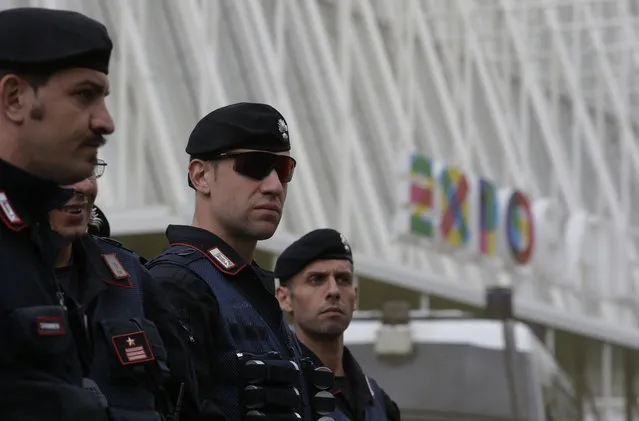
539,95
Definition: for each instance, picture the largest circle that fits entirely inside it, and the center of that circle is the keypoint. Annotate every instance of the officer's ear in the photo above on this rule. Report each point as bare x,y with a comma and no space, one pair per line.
355,282
283,294
198,175
16,94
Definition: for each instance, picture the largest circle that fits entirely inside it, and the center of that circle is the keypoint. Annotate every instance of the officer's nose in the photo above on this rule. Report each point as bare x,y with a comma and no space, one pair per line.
102,122
86,187
333,289
272,184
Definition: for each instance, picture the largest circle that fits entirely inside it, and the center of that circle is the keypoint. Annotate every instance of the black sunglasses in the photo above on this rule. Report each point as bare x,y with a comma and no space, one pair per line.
258,165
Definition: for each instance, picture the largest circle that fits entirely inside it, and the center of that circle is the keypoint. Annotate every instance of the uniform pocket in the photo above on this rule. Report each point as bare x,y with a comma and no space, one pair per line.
155,340
127,345
39,331
157,346
135,348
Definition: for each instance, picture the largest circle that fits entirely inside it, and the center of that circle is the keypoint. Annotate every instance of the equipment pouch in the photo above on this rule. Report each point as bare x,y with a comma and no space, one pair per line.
38,332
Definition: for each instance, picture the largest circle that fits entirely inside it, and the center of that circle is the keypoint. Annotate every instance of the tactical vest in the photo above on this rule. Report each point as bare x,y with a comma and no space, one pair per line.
129,355
245,338
375,409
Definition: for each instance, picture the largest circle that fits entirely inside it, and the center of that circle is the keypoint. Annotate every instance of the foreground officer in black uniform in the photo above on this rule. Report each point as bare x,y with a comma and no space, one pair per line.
247,360
53,116
316,285
132,335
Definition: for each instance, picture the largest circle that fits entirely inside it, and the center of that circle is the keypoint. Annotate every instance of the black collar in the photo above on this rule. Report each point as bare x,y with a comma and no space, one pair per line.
223,256
353,372
30,196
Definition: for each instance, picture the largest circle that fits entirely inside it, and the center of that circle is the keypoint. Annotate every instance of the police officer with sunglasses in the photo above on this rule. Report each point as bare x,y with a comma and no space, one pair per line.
248,362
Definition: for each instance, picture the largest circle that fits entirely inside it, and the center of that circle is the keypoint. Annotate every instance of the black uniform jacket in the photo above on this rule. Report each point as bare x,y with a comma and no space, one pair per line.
198,307
89,275
40,370
351,391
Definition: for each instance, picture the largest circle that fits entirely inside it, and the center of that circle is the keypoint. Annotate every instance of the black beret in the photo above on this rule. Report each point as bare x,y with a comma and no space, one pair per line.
47,40
244,125
321,244
99,225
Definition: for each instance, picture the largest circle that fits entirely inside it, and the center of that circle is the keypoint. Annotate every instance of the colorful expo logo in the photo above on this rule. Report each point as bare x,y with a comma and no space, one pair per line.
460,212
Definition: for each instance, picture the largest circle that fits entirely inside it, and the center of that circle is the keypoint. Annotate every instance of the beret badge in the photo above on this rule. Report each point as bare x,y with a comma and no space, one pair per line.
283,128
347,246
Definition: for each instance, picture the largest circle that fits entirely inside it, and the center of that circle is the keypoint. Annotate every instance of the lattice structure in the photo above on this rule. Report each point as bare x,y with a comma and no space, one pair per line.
537,95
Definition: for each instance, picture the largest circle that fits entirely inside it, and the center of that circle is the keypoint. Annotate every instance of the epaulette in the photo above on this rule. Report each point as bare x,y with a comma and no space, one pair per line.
110,241
114,243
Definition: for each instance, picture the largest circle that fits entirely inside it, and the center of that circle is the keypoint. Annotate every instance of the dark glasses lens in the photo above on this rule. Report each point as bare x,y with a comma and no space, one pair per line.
258,165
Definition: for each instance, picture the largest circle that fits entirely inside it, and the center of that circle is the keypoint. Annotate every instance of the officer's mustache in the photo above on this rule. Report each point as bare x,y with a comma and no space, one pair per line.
95,141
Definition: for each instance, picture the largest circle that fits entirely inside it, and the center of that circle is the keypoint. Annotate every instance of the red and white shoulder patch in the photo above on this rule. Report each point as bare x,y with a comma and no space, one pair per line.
121,277
8,214
222,258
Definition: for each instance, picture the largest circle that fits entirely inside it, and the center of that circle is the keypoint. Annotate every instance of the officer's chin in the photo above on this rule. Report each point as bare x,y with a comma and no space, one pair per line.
332,330
265,230
74,171
72,234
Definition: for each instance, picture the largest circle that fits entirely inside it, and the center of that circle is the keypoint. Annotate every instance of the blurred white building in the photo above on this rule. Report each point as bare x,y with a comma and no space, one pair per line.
534,96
